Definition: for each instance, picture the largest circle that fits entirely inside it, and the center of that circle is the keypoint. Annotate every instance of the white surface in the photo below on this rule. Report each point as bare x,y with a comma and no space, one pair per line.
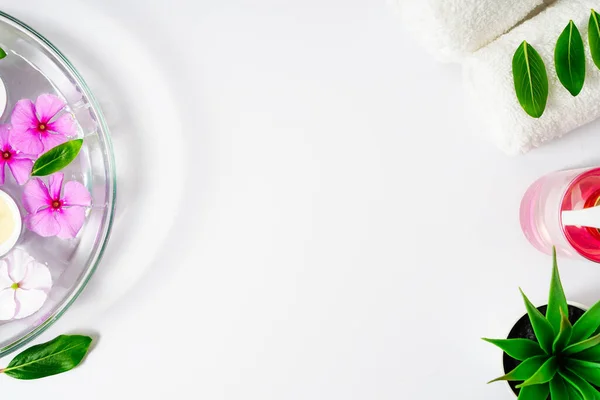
301,259
453,29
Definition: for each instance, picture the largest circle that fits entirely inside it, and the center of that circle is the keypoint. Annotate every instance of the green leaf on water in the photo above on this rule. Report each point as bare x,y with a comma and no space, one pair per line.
54,357
2,53
530,79
57,158
569,59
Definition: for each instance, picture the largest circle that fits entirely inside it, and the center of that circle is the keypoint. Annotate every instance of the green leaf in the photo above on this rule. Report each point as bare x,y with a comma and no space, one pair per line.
569,59
581,346
541,327
592,354
583,387
594,37
2,53
535,392
589,371
558,389
587,324
519,349
562,339
557,301
544,374
57,158
54,357
573,393
524,371
531,80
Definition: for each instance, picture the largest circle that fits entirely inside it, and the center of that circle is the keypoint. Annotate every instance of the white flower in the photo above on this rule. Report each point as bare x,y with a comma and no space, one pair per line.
24,285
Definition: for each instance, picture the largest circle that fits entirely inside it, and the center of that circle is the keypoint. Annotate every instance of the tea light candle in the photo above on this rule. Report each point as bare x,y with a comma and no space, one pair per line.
10,223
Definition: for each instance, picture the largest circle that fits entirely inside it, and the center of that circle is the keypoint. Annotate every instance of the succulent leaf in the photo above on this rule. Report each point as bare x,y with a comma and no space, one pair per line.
590,371
583,387
519,349
587,324
592,354
557,301
535,392
563,361
558,388
541,327
525,370
544,374
562,339
581,346
573,393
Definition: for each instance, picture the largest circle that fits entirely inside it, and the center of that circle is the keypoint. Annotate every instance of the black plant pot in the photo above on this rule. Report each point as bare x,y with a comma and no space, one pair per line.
523,330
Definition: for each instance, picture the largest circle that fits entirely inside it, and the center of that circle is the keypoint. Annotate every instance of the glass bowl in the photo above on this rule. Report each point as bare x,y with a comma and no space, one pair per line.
34,66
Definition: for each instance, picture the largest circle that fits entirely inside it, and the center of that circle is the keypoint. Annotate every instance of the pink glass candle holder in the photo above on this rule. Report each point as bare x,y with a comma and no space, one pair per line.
542,209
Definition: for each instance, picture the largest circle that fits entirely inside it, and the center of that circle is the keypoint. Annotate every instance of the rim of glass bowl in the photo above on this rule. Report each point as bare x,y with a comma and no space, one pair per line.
111,191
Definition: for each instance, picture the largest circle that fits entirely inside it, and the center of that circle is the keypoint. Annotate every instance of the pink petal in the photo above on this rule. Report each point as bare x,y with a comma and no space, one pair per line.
8,305
18,260
75,194
55,184
28,302
5,280
2,163
28,141
51,140
43,223
36,196
23,116
38,277
71,220
65,124
47,106
20,168
4,131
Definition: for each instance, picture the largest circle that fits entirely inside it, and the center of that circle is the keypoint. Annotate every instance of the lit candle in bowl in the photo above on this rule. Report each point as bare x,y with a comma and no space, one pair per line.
10,223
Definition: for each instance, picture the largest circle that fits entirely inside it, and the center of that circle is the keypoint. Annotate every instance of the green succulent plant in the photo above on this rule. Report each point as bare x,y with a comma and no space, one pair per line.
564,361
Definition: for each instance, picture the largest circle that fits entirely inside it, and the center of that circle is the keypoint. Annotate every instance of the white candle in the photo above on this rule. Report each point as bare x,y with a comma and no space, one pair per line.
10,223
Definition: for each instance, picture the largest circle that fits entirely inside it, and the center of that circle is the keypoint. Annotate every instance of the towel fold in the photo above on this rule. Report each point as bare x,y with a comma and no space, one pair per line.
490,88
452,29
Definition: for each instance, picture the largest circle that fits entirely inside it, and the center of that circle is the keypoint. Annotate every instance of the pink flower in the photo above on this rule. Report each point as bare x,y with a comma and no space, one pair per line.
51,214
38,128
20,164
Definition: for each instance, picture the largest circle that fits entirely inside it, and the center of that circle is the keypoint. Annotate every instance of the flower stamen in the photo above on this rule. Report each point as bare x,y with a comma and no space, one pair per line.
42,126
6,155
56,204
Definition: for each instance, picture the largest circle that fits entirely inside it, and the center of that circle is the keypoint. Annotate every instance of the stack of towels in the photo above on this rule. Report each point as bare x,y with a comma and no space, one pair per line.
483,35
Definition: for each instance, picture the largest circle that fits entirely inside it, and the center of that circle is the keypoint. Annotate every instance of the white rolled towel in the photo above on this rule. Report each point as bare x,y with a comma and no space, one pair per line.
452,29
490,87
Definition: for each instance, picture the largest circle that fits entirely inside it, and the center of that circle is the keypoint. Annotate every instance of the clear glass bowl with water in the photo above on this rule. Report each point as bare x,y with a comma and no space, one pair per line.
34,66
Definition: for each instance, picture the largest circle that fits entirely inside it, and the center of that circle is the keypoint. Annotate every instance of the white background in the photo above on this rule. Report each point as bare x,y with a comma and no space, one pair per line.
303,211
